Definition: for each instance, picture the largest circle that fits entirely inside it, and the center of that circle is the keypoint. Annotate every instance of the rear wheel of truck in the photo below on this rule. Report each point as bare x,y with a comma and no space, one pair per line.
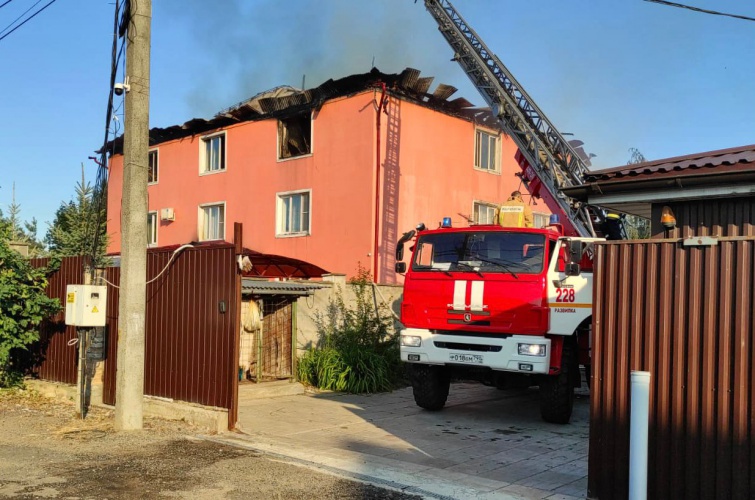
557,391
430,386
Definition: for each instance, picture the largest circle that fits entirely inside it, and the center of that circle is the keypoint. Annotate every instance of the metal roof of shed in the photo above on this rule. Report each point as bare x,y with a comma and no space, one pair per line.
723,173
261,287
732,159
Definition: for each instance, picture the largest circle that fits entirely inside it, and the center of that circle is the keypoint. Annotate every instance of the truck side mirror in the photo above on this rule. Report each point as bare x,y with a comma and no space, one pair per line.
400,267
400,245
575,250
572,269
575,256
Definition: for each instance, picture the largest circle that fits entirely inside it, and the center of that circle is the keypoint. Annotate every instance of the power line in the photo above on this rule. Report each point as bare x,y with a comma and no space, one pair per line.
19,17
697,9
5,3
26,20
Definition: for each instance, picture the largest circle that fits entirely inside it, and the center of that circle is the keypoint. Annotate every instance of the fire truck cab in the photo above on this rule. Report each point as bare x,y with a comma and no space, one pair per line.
506,306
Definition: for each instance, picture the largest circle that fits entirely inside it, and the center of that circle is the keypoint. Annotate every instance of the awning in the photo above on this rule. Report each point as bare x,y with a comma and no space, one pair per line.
250,286
266,265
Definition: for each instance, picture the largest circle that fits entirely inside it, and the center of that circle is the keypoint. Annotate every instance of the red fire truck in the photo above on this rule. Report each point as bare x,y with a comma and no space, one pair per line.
507,306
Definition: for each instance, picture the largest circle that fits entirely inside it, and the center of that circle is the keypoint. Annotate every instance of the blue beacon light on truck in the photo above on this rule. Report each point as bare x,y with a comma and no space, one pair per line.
446,222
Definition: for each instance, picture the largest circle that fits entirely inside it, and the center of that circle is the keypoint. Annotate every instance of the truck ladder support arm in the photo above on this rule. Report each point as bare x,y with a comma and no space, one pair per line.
551,159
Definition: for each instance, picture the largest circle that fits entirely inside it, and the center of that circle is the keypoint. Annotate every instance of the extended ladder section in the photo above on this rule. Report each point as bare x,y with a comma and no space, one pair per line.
547,160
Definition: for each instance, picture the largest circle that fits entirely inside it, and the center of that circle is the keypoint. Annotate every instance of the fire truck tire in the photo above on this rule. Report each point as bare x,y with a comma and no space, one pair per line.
430,386
557,391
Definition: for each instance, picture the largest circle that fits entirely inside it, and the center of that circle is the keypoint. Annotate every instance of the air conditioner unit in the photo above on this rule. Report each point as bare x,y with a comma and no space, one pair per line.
167,214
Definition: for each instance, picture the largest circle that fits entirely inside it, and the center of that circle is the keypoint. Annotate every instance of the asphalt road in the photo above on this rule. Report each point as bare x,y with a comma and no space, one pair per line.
45,452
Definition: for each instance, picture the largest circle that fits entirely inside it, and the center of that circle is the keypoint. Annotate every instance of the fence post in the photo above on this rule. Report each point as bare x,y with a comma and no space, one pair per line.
638,436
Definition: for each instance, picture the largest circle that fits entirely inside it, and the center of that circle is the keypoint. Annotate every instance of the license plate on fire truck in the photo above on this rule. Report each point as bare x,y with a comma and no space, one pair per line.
465,358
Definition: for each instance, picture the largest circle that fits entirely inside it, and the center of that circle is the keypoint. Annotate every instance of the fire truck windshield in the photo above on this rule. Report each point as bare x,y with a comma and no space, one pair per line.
480,252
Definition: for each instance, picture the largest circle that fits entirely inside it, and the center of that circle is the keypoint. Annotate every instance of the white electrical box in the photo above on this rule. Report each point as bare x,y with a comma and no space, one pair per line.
86,305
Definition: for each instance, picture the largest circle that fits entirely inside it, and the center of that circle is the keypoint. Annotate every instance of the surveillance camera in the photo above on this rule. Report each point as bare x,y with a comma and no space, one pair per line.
120,88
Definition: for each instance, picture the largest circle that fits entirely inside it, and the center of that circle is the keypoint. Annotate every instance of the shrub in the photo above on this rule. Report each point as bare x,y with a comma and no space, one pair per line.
357,349
23,306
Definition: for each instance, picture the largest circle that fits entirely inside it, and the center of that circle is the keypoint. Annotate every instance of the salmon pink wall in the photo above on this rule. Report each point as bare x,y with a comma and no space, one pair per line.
339,173
427,172
437,177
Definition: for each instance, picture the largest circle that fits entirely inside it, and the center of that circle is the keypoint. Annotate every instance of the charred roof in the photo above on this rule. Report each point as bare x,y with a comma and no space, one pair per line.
284,101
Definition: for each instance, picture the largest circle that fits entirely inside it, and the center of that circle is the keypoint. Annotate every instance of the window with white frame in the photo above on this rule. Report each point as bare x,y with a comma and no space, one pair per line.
152,229
212,154
212,222
486,151
293,212
152,168
484,213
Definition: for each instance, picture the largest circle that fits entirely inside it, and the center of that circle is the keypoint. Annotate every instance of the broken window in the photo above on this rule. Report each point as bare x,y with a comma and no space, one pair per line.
295,136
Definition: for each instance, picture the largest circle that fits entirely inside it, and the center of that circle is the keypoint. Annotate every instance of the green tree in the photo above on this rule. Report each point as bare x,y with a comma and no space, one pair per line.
23,307
78,223
13,229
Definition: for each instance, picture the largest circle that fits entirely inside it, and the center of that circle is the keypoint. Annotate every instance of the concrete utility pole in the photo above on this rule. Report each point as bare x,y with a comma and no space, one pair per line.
132,311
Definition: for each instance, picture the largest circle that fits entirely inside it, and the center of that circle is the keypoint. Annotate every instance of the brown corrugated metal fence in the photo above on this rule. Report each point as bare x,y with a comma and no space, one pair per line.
686,315
113,276
190,318
54,359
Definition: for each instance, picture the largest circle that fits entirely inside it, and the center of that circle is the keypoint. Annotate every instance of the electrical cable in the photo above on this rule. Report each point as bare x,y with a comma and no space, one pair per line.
101,278
19,17
25,20
5,3
698,9
175,252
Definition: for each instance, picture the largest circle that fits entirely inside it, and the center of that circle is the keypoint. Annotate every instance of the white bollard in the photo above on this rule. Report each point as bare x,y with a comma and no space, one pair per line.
638,436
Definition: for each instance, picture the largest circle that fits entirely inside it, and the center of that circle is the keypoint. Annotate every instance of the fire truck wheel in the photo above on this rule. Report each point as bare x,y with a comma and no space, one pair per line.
557,391
430,386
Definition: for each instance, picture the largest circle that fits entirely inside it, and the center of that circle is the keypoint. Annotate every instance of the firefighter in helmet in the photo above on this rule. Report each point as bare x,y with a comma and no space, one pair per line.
514,212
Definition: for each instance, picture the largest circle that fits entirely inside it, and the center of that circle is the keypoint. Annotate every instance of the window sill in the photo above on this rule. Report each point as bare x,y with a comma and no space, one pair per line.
152,183
283,160
292,235
493,172
212,172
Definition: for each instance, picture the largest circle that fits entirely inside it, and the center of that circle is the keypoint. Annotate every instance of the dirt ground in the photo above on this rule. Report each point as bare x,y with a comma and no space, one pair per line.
45,452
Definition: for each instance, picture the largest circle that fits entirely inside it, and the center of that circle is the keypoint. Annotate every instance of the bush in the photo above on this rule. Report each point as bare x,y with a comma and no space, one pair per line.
357,349
23,306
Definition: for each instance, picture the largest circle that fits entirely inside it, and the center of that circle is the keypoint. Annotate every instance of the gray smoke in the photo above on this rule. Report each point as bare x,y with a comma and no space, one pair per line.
240,48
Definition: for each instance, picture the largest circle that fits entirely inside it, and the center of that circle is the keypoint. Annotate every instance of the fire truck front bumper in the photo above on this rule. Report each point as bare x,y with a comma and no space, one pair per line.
514,353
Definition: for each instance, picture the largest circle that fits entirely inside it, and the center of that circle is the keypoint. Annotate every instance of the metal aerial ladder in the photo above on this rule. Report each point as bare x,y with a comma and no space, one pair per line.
547,160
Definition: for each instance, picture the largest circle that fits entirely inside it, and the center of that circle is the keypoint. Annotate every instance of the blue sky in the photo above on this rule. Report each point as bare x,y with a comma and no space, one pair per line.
618,74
